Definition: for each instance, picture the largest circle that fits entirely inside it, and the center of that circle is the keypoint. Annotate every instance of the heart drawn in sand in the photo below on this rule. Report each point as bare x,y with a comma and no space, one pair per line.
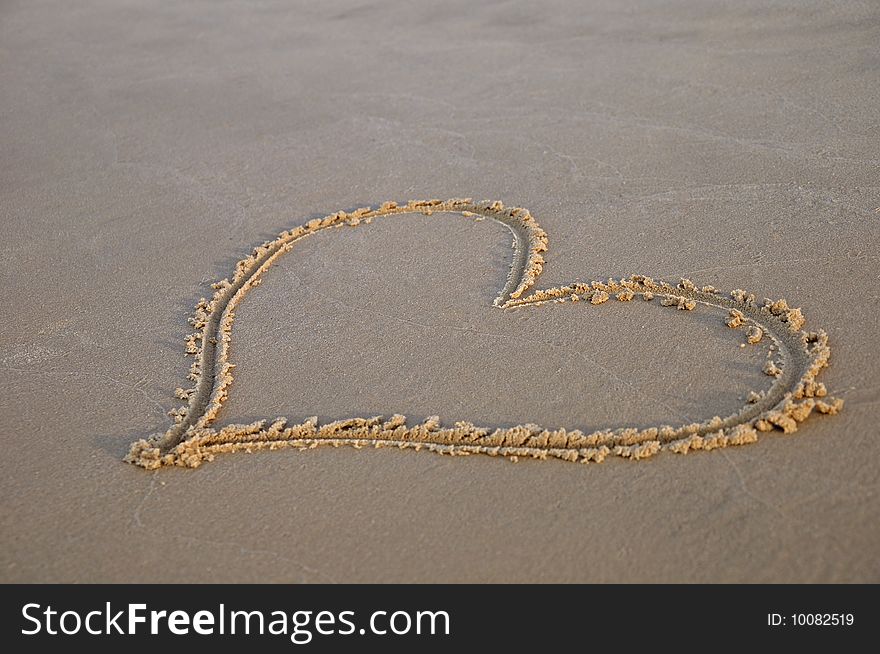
799,356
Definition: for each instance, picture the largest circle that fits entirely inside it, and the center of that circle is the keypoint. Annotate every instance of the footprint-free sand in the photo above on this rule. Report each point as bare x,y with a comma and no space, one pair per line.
147,149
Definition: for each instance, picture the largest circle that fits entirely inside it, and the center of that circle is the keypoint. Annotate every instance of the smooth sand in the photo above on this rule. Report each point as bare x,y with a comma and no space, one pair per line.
147,149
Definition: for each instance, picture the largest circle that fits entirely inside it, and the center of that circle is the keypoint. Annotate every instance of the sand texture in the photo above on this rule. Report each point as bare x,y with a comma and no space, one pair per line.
653,160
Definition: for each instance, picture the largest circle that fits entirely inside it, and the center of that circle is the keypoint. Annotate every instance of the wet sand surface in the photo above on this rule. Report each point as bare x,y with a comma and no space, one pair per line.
147,148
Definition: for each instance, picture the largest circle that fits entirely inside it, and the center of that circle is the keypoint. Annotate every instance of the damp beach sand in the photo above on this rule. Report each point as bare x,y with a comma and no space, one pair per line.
652,163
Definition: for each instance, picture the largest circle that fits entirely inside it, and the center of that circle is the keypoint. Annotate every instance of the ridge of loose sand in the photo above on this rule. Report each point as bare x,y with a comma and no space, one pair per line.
799,357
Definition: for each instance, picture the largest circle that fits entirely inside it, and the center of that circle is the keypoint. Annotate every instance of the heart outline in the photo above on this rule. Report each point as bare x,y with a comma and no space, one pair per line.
190,441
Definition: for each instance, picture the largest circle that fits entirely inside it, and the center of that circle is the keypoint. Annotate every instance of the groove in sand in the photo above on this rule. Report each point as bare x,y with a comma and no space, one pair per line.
799,357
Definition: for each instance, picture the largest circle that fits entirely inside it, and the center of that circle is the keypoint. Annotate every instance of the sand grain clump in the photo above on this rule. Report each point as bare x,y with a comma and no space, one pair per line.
192,440
599,297
754,335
